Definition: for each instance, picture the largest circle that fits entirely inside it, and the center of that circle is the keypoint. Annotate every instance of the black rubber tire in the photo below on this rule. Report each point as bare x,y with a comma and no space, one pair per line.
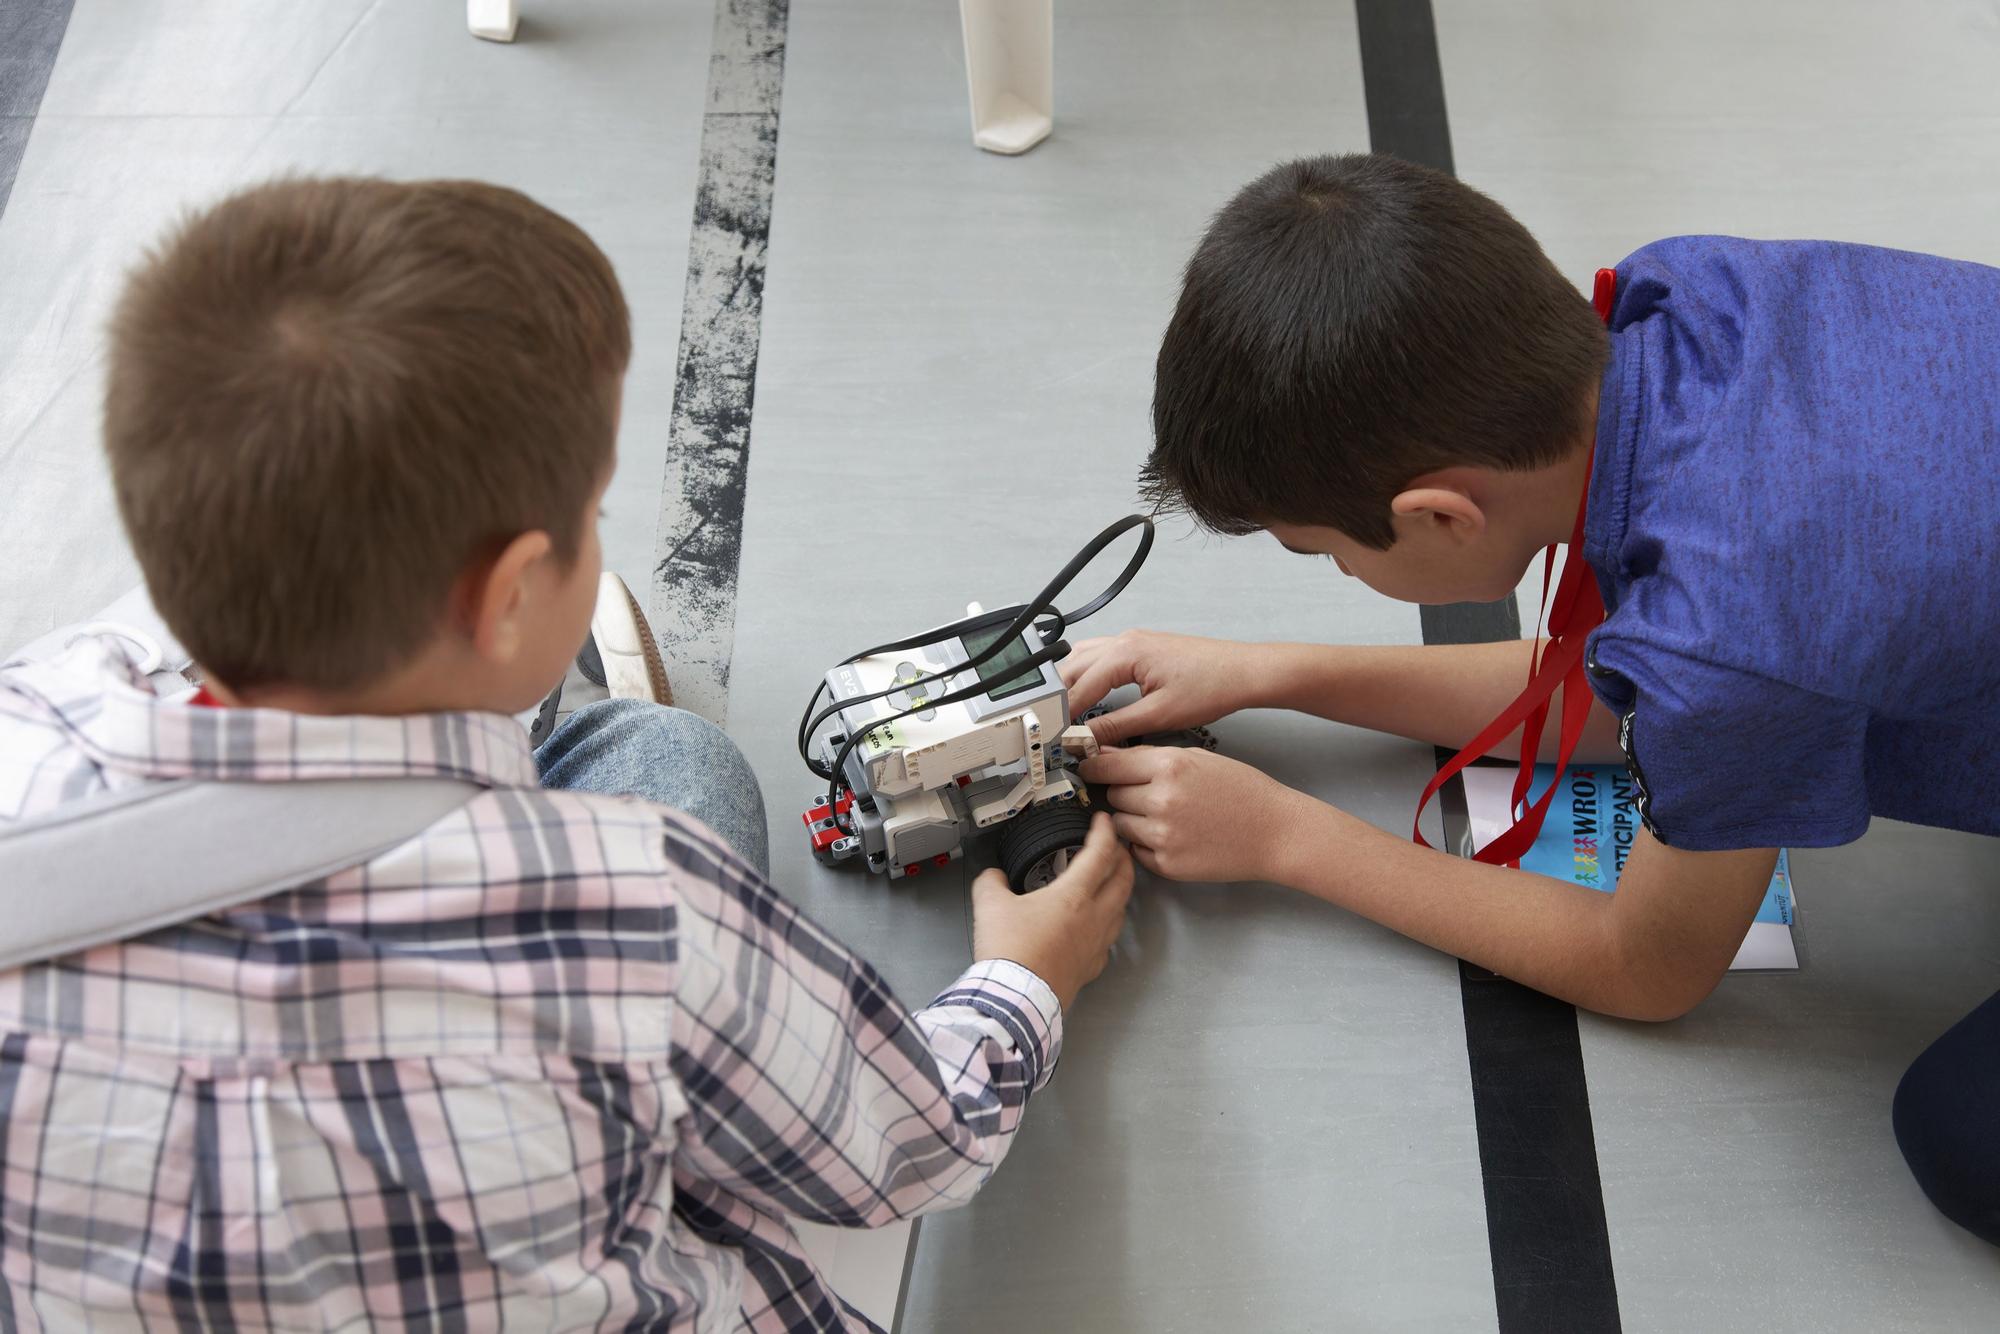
1037,833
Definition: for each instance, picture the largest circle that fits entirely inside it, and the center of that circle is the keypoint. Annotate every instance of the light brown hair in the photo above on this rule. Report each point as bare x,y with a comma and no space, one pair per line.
328,398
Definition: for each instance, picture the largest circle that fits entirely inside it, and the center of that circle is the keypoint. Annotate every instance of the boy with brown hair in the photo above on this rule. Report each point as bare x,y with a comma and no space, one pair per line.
561,1058
1779,457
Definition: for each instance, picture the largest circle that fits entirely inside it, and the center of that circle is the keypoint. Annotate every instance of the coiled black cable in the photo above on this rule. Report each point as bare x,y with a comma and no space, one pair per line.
1024,614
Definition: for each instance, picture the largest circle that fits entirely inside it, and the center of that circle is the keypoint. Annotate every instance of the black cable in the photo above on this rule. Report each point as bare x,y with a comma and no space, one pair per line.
1024,614
838,770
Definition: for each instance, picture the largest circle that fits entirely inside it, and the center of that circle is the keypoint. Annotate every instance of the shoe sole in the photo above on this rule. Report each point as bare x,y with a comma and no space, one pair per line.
633,668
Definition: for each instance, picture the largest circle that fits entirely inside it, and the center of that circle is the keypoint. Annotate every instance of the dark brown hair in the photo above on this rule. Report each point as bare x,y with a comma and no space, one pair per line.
328,398
1348,324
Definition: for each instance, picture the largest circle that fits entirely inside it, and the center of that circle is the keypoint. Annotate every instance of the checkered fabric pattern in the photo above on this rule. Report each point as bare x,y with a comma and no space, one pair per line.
560,1062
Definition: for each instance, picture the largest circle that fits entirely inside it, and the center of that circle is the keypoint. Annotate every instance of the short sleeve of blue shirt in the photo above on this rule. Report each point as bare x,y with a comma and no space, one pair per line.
1708,747
1794,516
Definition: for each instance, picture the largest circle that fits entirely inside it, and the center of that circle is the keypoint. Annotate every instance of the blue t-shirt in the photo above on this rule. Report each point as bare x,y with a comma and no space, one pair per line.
1795,518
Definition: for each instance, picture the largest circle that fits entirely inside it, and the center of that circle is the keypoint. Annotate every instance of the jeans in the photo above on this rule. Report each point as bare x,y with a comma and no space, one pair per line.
630,747
1947,1118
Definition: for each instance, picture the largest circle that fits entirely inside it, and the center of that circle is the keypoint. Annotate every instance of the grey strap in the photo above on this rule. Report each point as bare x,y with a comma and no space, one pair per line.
128,862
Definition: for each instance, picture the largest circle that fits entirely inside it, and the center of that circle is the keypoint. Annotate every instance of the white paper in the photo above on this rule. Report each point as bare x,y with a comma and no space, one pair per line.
1488,790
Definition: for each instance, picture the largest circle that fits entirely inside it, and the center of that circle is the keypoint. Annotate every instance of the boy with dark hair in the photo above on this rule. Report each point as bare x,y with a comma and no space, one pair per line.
558,1059
1780,458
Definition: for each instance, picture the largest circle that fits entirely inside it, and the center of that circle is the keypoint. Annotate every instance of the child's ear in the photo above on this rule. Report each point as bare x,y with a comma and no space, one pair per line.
498,601
1451,510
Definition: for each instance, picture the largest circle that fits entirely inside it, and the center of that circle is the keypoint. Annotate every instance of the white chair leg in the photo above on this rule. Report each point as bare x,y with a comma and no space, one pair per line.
494,20
1010,70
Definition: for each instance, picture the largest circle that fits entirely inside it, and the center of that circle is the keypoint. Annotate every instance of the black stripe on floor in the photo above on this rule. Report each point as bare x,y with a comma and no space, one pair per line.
702,496
693,605
31,32
1537,1150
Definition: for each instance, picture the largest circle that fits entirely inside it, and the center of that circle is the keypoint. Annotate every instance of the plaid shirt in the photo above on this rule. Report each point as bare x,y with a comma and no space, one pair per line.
560,1062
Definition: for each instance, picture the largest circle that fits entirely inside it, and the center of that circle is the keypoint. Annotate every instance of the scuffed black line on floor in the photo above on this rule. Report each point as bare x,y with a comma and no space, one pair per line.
693,603
31,33
1545,1223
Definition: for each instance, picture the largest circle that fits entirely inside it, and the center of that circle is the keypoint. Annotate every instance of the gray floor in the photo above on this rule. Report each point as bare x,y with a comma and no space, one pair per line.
1264,1108
1263,1118
153,109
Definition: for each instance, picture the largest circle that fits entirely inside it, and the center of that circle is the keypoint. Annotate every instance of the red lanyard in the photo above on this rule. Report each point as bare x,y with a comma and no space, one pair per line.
1577,610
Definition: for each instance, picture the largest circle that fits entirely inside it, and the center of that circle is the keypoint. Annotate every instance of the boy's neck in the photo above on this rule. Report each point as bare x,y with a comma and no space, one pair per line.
427,685
1558,489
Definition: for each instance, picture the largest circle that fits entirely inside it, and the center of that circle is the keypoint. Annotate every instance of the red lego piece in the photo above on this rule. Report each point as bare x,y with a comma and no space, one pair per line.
814,814
914,868
942,859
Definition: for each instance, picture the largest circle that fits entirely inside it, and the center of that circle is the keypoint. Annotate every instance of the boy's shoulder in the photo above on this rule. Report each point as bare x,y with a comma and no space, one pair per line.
1695,248
1792,471
472,917
86,722
1825,290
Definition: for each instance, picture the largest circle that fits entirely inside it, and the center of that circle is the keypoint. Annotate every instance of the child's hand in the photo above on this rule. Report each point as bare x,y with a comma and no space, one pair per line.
1185,681
1063,931
1195,815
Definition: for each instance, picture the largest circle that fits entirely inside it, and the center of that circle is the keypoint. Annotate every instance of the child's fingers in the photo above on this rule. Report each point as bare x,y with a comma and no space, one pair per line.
1095,862
1103,674
1111,898
1120,884
1081,654
1132,798
1120,768
1140,831
1093,870
1135,719
991,886
1116,890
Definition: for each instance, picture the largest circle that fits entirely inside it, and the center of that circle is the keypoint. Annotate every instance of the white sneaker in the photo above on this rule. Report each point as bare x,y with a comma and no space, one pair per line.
625,644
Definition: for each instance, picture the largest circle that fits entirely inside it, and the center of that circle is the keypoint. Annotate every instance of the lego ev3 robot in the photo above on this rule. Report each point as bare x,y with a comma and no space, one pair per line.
929,740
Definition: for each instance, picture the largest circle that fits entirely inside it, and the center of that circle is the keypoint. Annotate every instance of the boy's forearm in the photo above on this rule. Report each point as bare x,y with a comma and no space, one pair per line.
1440,693
1557,938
